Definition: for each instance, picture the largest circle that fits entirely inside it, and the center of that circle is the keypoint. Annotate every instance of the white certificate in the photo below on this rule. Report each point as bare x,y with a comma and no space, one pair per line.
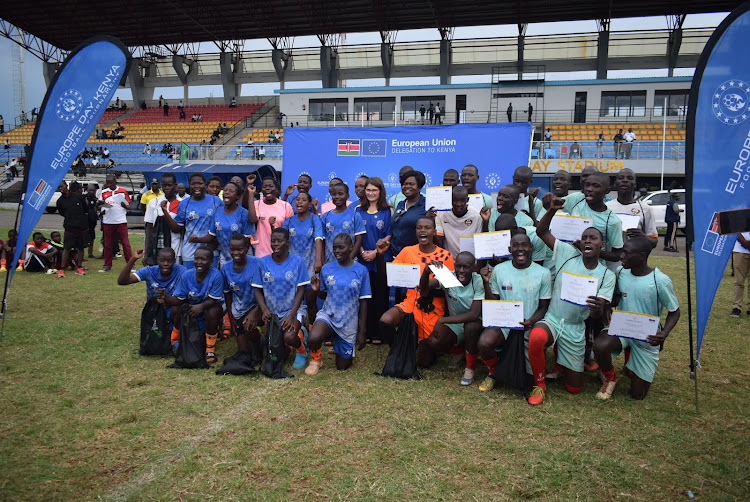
493,196
488,243
502,314
466,243
402,275
440,198
569,228
629,221
632,325
577,288
445,277
476,200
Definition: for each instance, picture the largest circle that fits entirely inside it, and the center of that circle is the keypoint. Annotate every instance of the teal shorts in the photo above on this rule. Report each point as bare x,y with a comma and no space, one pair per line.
458,329
644,358
570,338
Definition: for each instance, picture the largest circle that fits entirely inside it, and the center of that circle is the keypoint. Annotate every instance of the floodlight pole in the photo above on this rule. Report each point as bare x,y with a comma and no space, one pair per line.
663,142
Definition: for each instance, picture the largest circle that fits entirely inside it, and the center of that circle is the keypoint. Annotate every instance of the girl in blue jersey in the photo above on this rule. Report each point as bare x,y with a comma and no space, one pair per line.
242,307
280,290
231,220
345,286
306,241
195,215
376,214
342,219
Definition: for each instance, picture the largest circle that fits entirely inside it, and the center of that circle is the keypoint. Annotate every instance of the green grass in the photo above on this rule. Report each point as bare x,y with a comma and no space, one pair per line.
84,416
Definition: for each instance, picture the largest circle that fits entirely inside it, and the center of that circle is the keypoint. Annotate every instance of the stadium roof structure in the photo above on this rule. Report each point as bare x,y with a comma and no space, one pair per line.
143,23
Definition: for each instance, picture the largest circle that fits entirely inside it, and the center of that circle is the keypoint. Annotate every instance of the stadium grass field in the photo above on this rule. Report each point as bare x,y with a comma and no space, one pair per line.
85,417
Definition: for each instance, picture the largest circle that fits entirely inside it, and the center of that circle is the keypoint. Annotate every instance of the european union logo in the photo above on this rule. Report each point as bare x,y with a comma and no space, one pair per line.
374,147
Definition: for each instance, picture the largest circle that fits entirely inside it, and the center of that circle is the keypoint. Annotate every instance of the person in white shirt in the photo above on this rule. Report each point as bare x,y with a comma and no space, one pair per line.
147,149
741,261
154,210
629,140
115,201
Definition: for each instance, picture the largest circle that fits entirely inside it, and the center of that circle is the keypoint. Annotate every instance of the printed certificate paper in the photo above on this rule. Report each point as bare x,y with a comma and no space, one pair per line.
467,244
633,325
502,314
445,277
488,243
569,228
476,201
629,220
577,288
402,275
440,198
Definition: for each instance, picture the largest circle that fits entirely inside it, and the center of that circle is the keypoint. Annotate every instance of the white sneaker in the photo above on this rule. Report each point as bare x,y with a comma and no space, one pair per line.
608,388
468,377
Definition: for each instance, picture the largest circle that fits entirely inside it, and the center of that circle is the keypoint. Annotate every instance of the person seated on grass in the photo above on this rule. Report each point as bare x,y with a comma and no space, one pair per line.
8,251
55,240
463,324
519,279
345,287
644,290
38,255
280,290
201,286
426,307
507,198
239,293
160,279
563,324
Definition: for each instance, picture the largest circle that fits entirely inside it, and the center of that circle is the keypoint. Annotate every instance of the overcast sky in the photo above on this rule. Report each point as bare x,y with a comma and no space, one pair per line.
35,88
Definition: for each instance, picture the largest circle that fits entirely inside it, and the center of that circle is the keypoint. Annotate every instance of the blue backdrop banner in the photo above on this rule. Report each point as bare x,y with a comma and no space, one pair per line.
74,103
718,152
348,152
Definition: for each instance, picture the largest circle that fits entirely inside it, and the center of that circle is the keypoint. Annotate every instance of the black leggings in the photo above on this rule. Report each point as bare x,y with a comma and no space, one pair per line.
377,306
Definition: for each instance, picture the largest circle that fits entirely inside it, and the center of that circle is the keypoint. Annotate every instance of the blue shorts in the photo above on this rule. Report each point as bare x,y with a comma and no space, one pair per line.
341,347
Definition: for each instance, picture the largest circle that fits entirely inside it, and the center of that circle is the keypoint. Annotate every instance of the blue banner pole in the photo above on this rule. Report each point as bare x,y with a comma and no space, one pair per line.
75,101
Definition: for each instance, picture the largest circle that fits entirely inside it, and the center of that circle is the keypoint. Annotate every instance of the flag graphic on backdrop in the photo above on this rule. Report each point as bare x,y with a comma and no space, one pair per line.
348,148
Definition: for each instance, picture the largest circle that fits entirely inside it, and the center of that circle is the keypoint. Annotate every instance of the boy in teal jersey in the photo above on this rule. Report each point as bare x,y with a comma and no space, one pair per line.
519,279
463,322
563,324
539,248
507,198
522,178
644,290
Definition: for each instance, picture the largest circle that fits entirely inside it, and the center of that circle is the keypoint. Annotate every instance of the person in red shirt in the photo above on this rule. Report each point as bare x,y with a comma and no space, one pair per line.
38,255
116,202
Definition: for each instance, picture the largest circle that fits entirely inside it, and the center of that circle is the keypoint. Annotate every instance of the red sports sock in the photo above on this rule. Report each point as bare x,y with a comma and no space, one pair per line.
317,355
537,340
491,363
227,322
175,337
610,375
471,361
571,389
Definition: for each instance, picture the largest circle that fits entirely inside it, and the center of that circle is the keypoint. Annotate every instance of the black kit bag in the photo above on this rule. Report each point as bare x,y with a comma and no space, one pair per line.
402,358
191,352
273,366
511,362
161,237
239,364
155,334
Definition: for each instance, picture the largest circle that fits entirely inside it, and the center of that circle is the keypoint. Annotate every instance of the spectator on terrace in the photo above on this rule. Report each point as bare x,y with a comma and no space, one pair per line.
225,129
548,135
233,103
2,124
34,113
181,105
599,145
280,119
105,152
271,136
200,117
250,142
117,103
143,105
13,164
166,109
575,151
119,127
161,98
147,149
123,106
277,138
629,140
7,143
261,152
194,118
617,144
117,135
182,114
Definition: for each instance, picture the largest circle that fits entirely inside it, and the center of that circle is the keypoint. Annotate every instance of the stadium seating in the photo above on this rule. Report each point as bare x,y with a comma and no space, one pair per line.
210,113
589,132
